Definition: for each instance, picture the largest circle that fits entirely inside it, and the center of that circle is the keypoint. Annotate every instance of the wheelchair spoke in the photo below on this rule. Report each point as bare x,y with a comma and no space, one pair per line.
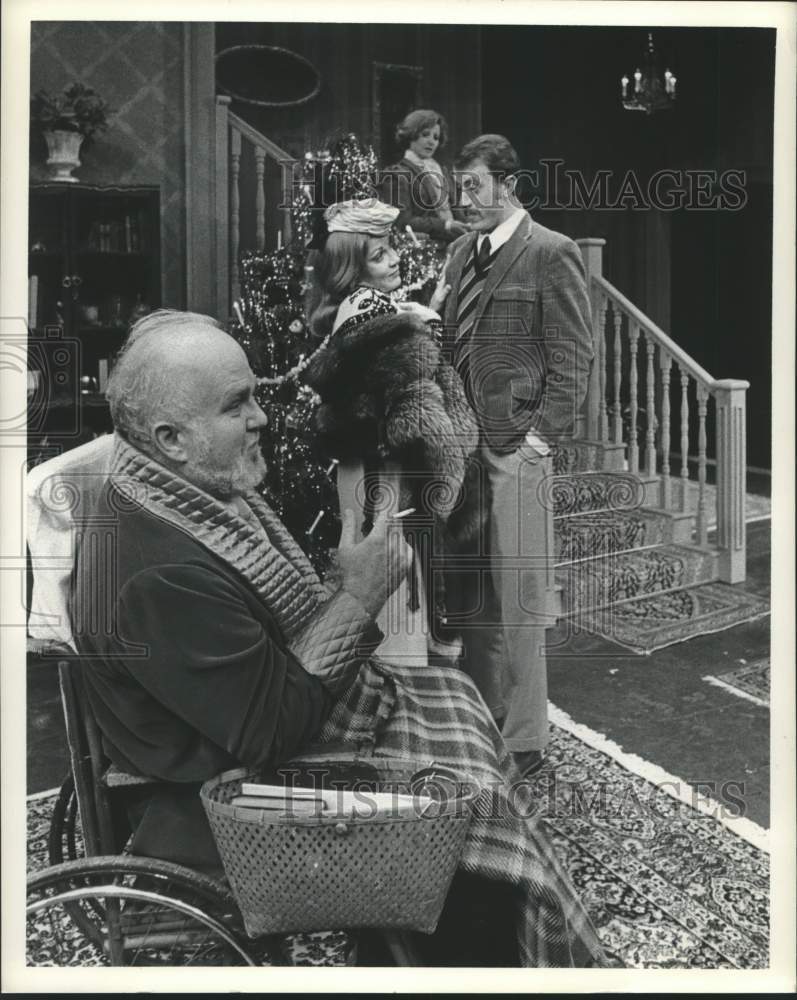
130,912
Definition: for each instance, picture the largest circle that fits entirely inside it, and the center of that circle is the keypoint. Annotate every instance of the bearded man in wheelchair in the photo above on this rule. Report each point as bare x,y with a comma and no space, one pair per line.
207,641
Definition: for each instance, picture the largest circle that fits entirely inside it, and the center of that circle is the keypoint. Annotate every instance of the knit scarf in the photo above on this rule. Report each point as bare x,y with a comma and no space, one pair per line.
263,553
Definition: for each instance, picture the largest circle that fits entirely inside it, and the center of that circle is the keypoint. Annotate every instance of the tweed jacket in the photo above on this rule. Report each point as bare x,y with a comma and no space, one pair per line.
529,351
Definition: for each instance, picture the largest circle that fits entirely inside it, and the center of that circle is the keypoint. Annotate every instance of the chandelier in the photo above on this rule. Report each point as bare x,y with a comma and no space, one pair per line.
651,91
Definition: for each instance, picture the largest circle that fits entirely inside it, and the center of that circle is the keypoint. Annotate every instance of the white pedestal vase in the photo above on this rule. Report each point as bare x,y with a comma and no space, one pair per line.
64,149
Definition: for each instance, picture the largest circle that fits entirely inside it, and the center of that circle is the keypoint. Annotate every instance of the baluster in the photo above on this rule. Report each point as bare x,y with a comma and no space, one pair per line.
592,254
665,363
702,525
618,375
235,210
601,360
287,189
633,383
684,438
260,198
650,444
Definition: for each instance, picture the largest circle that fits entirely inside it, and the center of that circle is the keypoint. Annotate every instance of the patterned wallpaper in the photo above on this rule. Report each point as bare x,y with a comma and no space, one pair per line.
138,69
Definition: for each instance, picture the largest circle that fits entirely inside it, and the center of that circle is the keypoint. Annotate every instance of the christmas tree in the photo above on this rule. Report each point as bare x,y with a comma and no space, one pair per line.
271,325
272,329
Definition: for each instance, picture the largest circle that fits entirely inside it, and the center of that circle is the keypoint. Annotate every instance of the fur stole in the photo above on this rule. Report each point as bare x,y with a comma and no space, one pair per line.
387,394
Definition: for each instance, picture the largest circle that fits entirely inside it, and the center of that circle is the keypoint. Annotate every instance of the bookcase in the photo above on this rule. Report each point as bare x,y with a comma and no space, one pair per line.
93,268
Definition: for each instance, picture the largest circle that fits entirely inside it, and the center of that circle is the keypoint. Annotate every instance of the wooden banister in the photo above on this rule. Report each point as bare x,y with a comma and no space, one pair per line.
272,150
237,143
648,326
641,352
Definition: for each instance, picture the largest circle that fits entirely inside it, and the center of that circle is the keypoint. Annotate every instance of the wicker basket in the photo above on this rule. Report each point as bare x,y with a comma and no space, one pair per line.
294,873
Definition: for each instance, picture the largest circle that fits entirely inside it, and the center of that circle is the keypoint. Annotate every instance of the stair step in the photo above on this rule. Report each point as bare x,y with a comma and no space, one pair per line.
614,577
585,536
586,456
585,492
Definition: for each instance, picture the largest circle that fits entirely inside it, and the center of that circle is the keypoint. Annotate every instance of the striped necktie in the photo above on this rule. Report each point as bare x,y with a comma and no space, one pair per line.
471,285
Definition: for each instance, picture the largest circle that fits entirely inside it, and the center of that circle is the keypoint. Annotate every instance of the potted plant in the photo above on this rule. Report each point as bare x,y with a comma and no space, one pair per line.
66,120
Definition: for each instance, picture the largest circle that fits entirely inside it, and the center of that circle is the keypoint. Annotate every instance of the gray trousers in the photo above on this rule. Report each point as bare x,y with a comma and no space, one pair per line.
504,628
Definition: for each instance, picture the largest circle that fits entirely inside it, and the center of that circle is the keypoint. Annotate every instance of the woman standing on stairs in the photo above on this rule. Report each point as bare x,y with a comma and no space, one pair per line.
418,185
392,410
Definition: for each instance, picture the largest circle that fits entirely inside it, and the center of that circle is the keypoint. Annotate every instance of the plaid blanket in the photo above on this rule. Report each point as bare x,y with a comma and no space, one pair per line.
437,714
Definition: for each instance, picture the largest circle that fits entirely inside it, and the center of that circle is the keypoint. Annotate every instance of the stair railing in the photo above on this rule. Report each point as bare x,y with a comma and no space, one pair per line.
240,147
632,354
652,402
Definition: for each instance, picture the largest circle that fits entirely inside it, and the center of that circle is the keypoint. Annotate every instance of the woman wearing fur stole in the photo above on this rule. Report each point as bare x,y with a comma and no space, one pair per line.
388,398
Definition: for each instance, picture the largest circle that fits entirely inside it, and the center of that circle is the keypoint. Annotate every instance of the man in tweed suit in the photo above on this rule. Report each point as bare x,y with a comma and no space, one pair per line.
518,329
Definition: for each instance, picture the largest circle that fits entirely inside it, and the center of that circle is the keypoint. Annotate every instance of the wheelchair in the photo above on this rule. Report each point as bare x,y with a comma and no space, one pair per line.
98,906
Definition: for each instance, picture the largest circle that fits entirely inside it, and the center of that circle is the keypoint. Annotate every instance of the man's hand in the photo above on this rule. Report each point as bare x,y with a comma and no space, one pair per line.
373,568
441,291
457,228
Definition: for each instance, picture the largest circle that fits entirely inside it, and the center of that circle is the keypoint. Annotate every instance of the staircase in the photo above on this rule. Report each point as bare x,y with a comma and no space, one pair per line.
629,529
632,505
612,550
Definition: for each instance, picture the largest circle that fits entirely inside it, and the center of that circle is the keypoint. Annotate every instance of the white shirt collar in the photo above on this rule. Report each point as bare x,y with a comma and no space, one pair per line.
502,232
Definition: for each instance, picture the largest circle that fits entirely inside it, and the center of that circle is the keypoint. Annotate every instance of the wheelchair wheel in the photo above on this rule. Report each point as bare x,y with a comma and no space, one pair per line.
65,841
134,911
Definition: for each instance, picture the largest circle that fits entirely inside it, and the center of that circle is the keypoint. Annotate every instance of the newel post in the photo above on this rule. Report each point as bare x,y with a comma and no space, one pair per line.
730,396
592,252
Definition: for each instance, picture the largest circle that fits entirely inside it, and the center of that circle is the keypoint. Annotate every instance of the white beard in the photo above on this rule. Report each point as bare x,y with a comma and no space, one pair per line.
245,474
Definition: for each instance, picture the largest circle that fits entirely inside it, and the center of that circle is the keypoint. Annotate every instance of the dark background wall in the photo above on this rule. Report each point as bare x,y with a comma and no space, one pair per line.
344,54
705,276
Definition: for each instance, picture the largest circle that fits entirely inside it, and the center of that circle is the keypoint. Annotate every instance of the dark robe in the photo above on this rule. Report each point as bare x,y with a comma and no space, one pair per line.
189,673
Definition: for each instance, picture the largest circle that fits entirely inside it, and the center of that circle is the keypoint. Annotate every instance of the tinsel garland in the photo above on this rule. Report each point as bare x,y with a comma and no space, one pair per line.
344,170
271,326
420,264
353,168
271,329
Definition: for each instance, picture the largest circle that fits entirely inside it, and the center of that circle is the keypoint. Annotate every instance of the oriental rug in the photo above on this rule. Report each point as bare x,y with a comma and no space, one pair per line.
649,623
668,881
325,948
626,571
750,682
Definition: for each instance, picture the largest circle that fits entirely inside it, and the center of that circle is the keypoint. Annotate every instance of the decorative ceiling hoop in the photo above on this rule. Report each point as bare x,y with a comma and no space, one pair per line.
242,69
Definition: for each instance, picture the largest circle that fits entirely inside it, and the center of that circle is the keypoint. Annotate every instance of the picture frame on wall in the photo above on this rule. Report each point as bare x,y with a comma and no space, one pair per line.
396,90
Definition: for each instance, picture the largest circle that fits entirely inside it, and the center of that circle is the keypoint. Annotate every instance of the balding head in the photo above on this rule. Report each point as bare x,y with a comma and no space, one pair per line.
149,380
182,391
